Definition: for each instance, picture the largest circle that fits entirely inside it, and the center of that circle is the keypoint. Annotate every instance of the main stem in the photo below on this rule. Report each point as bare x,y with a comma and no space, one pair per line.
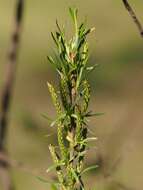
73,122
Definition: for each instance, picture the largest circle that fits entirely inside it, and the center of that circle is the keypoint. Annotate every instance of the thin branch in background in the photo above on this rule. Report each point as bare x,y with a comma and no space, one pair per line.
10,73
134,17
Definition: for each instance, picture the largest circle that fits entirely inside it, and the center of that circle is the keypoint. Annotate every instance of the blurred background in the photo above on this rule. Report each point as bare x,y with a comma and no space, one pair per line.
116,90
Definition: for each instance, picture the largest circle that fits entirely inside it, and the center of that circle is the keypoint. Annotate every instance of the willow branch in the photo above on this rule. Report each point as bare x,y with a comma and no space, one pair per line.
8,86
134,17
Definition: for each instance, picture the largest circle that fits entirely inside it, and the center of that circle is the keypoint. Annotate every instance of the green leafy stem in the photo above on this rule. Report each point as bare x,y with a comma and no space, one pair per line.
71,64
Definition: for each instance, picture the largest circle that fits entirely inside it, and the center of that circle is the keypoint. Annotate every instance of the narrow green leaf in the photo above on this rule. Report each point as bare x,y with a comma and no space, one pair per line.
90,139
73,12
75,175
90,114
42,180
50,59
89,169
54,38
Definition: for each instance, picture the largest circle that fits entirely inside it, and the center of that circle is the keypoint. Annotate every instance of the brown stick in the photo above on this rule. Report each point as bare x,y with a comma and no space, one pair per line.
8,86
134,17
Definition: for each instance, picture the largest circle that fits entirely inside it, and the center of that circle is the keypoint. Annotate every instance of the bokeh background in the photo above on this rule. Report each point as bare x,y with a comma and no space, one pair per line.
117,90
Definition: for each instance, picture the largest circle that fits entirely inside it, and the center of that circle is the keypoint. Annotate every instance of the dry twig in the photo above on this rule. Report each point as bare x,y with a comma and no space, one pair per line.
134,17
7,91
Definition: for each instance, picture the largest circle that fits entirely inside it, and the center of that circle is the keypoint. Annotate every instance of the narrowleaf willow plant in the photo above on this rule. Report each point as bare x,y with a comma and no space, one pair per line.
71,105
